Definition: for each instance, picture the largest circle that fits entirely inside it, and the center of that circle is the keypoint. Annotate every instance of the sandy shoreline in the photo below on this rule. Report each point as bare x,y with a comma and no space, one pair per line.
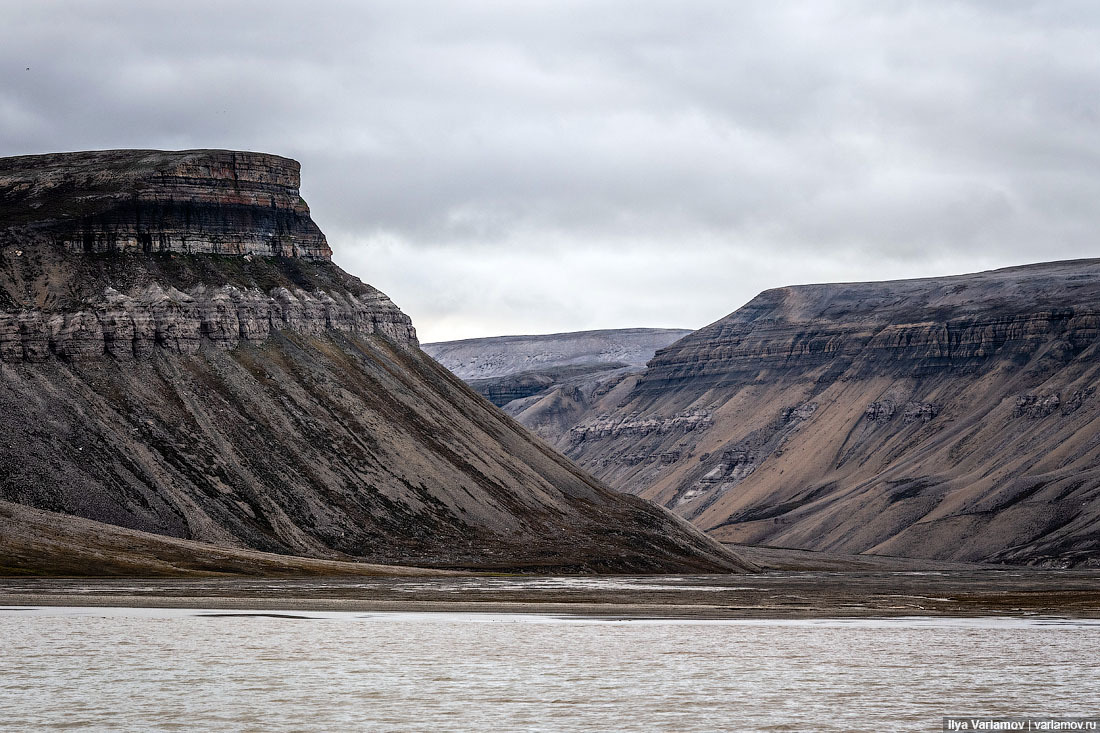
778,595
603,610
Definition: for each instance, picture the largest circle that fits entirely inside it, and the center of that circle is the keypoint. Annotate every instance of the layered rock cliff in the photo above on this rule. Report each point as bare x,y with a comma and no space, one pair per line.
208,389
221,317
190,201
952,418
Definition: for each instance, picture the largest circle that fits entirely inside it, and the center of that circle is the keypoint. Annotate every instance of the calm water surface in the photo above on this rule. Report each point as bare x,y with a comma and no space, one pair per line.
137,669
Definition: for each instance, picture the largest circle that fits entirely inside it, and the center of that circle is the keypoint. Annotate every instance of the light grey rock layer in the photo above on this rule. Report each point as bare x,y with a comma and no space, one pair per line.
501,356
222,317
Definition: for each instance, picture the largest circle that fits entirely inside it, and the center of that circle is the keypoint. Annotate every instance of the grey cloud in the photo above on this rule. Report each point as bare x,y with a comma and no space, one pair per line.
472,158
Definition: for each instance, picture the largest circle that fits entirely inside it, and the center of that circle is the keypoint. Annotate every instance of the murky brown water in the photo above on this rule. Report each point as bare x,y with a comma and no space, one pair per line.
137,669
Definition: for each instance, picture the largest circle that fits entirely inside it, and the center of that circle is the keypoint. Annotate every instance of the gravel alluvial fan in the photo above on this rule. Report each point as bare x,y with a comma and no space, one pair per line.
952,418
179,356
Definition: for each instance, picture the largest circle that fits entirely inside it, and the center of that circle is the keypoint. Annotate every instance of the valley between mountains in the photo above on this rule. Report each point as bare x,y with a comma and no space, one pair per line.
181,359
953,418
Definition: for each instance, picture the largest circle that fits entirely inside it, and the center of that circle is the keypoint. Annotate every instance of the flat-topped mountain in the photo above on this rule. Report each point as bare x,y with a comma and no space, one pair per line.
547,382
179,356
951,418
189,201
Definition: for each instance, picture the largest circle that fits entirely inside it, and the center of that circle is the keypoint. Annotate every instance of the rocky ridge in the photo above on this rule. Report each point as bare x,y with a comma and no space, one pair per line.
951,418
503,356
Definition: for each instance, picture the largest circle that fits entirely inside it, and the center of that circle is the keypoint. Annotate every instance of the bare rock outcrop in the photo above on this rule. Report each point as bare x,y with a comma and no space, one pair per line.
955,418
190,201
222,317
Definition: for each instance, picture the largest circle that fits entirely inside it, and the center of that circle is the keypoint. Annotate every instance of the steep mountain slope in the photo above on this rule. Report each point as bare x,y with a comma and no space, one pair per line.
547,382
179,356
951,418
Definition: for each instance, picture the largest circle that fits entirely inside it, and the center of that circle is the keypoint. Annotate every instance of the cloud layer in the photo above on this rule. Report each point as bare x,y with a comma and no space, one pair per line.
502,167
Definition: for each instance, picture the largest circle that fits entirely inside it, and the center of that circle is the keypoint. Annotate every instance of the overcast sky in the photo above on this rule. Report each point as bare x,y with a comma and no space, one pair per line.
530,167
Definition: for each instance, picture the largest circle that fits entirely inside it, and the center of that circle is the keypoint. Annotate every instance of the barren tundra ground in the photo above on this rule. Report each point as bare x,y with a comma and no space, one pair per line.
956,592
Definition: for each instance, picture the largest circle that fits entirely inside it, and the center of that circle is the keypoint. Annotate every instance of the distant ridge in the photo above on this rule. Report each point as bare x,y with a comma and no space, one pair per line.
547,381
498,356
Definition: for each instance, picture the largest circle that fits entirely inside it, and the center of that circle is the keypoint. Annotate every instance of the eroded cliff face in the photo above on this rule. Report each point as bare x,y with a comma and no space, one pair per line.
190,201
208,389
952,418
222,317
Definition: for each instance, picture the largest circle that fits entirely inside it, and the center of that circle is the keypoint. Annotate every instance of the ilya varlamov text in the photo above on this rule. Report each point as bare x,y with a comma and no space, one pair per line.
1024,724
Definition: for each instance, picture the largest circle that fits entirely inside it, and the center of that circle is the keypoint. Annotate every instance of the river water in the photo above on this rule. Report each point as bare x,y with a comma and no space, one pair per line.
115,669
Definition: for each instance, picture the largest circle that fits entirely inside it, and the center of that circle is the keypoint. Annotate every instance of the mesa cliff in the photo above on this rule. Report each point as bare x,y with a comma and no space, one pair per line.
190,201
950,418
58,298
179,356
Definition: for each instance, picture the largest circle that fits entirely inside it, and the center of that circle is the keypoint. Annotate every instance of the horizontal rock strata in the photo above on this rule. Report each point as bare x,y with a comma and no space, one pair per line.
735,350
192,201
178,356
222,317
950,418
